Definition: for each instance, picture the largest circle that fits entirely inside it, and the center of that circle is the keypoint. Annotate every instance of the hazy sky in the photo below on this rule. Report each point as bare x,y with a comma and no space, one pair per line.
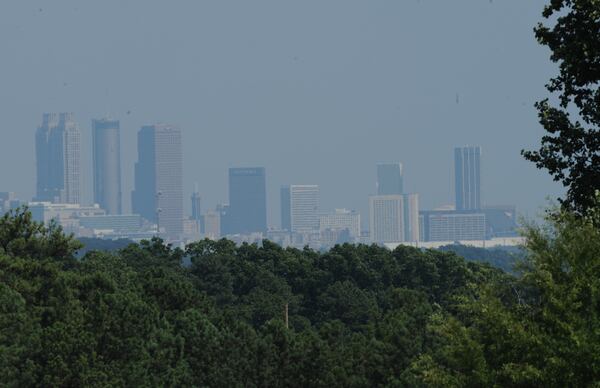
316,91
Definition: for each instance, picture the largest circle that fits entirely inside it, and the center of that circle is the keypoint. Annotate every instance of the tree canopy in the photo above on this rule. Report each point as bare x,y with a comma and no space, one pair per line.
570,150
358,315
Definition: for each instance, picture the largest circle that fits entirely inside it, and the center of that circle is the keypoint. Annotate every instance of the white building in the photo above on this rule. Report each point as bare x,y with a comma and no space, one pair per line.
341,219
394,218
304,208
66,215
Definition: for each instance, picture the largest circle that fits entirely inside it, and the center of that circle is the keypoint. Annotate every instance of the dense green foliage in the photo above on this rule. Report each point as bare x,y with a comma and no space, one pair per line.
505,258
570,150
100,244
358,315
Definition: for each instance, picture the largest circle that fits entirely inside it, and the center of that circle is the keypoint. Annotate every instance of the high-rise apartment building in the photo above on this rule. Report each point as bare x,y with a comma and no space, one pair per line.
106,142
394,218
389,179
158,193
58,159
467,177
247,212
303,208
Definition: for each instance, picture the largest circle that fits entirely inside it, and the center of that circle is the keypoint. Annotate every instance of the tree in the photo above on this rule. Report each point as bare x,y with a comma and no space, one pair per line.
570,150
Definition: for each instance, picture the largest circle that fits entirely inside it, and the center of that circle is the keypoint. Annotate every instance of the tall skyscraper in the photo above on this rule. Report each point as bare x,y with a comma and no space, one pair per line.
247,211
411,217
196,206
467,177
286,210
394,218
303,205
389,179
58,159
158,193
386,215
106,139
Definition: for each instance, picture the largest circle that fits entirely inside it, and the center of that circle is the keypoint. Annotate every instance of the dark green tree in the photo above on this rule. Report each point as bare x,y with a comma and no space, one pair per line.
570,150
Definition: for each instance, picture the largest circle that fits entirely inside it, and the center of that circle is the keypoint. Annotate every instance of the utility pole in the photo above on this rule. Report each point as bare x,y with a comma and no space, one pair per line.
286,316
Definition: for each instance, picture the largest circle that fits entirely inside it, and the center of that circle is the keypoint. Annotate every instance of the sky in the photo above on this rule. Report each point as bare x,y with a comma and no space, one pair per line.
316,91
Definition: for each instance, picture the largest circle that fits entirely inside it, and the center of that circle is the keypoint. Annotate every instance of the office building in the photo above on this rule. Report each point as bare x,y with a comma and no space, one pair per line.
67,215
389,179
303,208
58,159
394,218
247,212
212,225
158,193
450,225
386,218
196,206
106,142
467,178
8,202
286,210
112,224
341,219
410,216
501,221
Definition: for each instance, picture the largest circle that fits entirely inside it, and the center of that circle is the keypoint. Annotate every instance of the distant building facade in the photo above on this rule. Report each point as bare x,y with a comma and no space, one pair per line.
339,220
304,208
106,143
410,216
58,159
389,179
386,214
212,225
467,177
247,212
66,215
196,206
394,218
443,225
158,193
286,208
8,202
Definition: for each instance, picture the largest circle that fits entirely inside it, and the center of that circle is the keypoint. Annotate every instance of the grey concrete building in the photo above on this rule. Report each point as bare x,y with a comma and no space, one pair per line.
106,143
158,193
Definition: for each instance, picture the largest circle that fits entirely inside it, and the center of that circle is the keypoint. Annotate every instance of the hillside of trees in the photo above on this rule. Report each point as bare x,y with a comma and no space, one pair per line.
358,315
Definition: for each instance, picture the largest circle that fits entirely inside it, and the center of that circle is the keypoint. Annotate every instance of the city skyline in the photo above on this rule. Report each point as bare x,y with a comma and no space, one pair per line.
394,216
158,190
302,110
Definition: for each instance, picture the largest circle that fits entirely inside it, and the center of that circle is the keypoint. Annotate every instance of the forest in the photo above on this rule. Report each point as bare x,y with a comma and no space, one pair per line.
263,316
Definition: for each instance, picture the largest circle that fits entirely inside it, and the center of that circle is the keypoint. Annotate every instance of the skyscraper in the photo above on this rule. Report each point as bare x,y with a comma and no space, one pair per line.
386,218
247,211
58,159
196,206
304,208
286,210
158,193
411,217
389,179
394,218
106,139
467,177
